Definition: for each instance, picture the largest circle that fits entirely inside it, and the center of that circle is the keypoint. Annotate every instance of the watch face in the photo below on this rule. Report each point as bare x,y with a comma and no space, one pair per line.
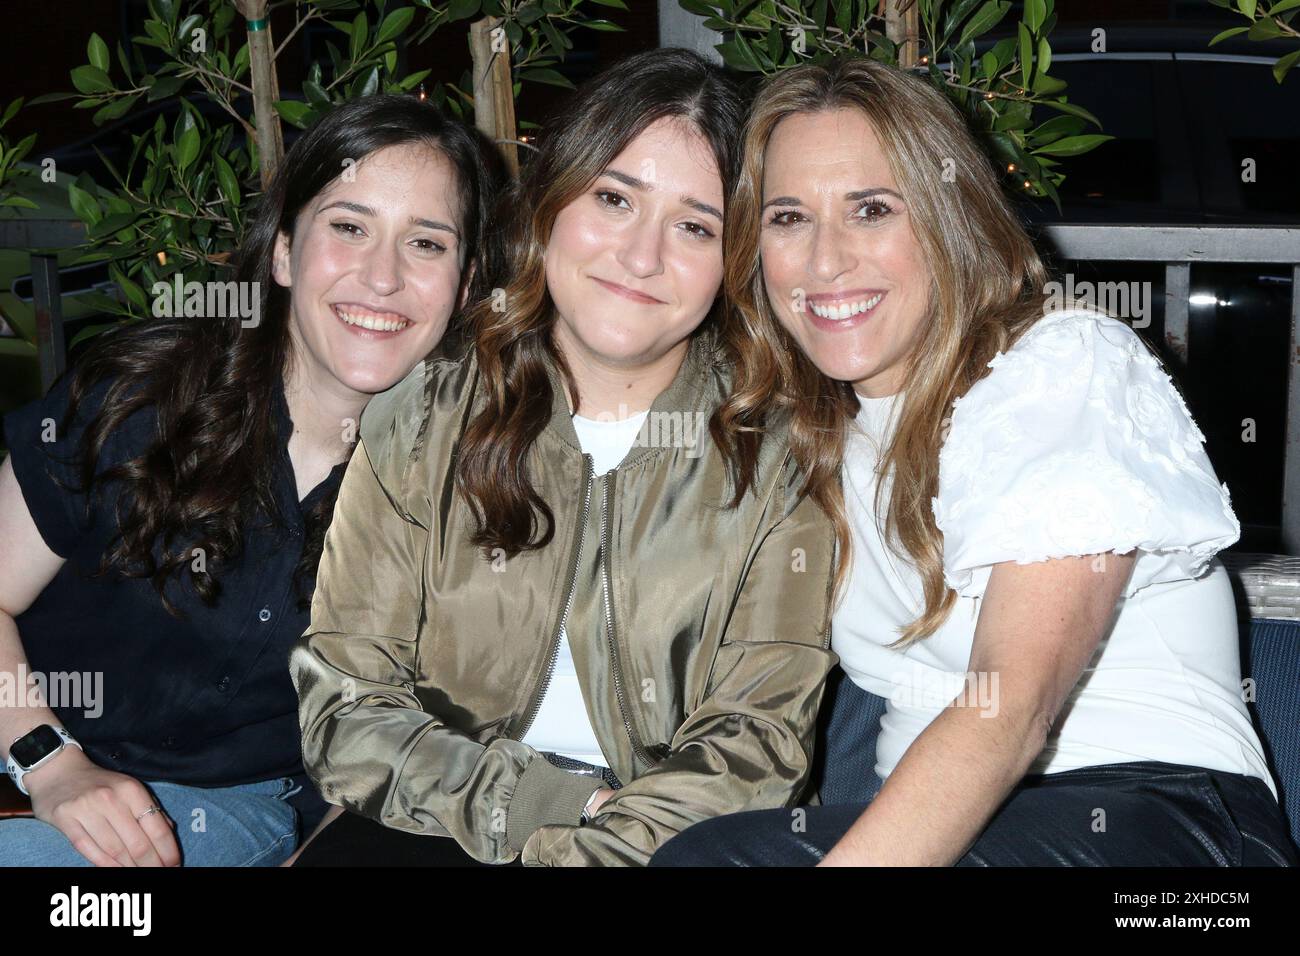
35,746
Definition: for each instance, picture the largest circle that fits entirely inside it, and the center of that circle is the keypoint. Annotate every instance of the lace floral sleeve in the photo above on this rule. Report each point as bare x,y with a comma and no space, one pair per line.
1076,443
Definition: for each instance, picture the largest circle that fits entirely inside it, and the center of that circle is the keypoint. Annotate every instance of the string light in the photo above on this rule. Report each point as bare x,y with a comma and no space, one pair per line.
162,258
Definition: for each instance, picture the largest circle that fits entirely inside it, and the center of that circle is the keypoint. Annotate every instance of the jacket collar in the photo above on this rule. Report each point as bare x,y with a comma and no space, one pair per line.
683,395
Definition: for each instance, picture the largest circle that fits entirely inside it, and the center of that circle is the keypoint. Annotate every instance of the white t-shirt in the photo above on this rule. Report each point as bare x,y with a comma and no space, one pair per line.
1075,443
562,725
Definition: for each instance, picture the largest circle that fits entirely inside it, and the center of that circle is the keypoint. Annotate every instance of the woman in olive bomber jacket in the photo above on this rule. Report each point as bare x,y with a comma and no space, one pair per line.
472,534
700,632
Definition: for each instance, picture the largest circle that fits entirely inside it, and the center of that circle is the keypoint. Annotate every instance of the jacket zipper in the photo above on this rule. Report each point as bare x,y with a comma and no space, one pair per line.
588,471
637,746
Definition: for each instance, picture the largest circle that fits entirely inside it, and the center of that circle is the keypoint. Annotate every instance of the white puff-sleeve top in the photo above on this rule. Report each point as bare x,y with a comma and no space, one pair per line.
1075,443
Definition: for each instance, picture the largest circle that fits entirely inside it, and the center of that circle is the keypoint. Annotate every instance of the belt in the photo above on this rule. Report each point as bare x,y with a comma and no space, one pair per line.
583,769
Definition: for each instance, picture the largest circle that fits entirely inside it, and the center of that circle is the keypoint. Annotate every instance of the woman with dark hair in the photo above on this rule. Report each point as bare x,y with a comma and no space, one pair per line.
179,482
1028,519
558,618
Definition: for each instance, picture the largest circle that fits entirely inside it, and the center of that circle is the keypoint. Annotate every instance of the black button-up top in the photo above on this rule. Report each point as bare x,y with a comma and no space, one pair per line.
205,700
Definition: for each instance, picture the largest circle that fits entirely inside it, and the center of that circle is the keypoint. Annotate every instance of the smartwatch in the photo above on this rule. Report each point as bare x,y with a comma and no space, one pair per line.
34,749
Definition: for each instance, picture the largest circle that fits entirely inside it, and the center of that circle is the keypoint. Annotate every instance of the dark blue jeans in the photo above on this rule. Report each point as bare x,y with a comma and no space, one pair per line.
1127,814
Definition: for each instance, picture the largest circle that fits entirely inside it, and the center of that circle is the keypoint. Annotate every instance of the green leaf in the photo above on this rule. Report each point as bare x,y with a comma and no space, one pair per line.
134,294
360,30
23,147
395,24
187,148
90,331
91,79
227,179
1073,145
1055,128
1047,85
114,109
83,204
550,77
97,53
1013,116
1026,53
602,26
1050,190
1264,30
51,98
124,61
1005,148
617,4
367,84
11,111
555,38
1073,110
737,57
1044,55
463,9
985,20
1005,51
293,111
954,17
20,202
1035,14
411,81
111,224
315,93
187,26
163,87
1228,33
1247,7
1283,7
1285,63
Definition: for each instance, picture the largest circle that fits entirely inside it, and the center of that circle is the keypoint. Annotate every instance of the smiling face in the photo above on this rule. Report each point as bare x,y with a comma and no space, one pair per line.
374,269
634,263
842,267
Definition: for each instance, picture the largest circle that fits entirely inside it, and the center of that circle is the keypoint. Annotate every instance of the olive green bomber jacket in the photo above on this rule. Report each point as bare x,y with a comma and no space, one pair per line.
700,633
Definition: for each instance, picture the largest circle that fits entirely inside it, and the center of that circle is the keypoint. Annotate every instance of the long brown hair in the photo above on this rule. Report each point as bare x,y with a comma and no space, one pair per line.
212,467
986,289
515,346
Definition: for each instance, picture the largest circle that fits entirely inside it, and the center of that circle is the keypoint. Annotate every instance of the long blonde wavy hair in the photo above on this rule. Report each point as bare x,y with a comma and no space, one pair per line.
986,288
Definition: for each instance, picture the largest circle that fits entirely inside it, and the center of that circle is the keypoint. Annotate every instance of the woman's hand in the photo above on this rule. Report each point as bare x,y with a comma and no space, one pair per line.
603,794
1039,625
99,811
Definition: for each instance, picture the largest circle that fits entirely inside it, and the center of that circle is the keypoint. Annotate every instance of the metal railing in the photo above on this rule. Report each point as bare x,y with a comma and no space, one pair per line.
1177,248
44,238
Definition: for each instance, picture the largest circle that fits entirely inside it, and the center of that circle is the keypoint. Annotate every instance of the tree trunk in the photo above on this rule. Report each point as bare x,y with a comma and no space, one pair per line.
266,87
903,26
494,100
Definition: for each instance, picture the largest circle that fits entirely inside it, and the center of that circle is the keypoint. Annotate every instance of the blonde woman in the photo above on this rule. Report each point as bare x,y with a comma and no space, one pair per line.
1027,519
